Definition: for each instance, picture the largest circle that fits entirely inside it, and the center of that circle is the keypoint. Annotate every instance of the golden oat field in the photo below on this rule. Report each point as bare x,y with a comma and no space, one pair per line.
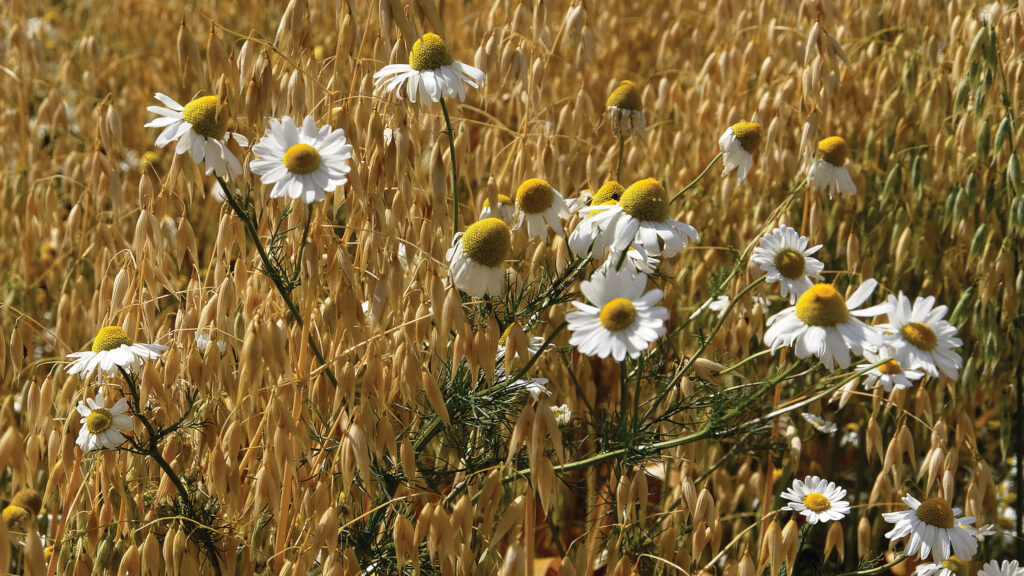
519,287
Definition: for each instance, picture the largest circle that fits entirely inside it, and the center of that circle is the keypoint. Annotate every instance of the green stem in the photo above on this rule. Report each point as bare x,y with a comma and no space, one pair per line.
746,360
618,169
698,178
455,172
879,570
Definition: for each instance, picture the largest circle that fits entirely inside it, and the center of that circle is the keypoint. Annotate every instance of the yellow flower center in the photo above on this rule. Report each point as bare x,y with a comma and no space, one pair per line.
625,96
611,191
822,305
618,314
790,263
14,515
891,367
502,199
429,53
920,335
645,200
204,117
749,135
956,566
302,159
936,512
487,242
816,502
834,150
99,421
535,196
110,338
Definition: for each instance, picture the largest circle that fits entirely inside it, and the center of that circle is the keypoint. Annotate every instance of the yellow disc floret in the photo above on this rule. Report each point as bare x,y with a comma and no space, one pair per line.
834,150
920,335
891,367
749,135
28,499
956,566
302,159
790,263
14,516
110,338
502,199
618,314
99,421
534,196
610,191
936,512
645,200
816,502
487,242
429,53
205,118
626,96
822,305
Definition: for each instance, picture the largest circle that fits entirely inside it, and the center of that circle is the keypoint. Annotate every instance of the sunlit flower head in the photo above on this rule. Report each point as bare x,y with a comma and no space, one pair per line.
951,567
539,206
784,257
102,427
819,423
200,128
621,319
301,162
920,337
738,144
625,110
477,258
828,170
824,325
1006,568
641,216
636,260
504,209
934,529
112,349
816,499
890,375
585,234
431,74
563,414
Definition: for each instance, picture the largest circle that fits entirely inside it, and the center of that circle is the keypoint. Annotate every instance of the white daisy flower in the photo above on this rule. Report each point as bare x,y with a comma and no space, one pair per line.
622,320
641,216
785,258
431,74
637,261
823,325
828,170
505,209
563,415
203,341
817,499
536,387
112,349
934,529
102,428
477,258
930,569
625,110
1006,568
538,204
586,232
533,344
851,435
738,144
819,423
889,375
581,200
304,162
201,128
920,337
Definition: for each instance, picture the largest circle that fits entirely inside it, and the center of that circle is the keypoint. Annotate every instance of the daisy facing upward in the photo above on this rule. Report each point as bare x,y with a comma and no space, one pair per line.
477,258
200,128
816,499
785,258
920,337
304,162
934,529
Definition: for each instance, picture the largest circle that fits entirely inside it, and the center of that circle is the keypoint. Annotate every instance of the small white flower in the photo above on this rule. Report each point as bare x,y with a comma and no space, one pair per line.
536,387
738,144
933,528
539,205
817,499
1006,568
819,423
929,569
477,258
622,321
203,341
624,110
785,258
200,128
505,209
304,162
112,349
641,216
533,344
102,428
563,415
920,337
431,74
851,435
890,375
828,171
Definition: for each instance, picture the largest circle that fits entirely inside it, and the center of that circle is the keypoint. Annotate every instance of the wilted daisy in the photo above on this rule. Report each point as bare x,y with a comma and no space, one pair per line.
819,423
201,128
785,258
1006,568
583,236
477,257
828,170
102,427
889,375
738,144
822,324
625,110
817,499
113,349
431,74
539,205
621,319
920,337
641,216
301,162
934,529
505,209
582,199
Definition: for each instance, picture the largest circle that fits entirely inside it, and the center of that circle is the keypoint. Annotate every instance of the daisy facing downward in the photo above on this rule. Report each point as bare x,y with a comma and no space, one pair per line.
431,74
304,162
641,216
829,170
738,144
201,128
477,258
816,499
537,205
113,349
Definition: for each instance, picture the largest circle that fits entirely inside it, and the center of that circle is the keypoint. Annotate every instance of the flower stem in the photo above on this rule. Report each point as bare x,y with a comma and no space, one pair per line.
698,178
455,171
618,169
